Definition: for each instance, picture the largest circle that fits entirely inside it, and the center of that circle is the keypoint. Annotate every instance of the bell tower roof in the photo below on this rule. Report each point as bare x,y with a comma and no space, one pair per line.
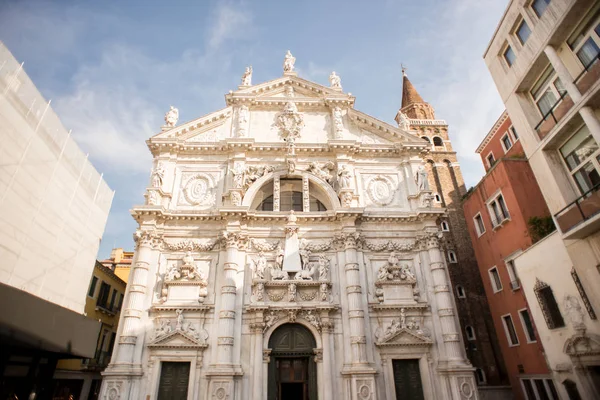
409,93
413,105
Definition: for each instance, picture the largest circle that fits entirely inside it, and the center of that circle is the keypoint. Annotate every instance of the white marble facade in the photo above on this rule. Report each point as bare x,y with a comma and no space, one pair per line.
221,262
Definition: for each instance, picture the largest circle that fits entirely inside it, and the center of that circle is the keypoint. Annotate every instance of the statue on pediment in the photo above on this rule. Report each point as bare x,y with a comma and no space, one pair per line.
171,117
335,81
288,62
247,77
403,122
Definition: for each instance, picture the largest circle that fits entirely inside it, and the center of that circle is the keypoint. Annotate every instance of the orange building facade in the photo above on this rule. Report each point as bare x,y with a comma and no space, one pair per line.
500,212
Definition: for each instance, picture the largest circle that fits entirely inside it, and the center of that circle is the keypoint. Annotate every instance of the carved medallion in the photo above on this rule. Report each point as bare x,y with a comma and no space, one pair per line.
199,191
381,190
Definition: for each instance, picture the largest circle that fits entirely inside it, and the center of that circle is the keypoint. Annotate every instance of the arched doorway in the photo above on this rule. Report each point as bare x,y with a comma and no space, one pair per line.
292,368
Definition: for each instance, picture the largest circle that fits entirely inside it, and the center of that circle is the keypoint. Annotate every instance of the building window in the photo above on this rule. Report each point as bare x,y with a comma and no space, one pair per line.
571,389
509,329
498,210
479,225
490,159
121,297
495,279
512,274
480,375
445,227
426,138
509,56
583,294
470,332
506,143
548,305
437,141
460,292
437,198
514,133
452,256
112,299
92,289
527,325
539,389
581,154
539,6
103,295
523,32
548,91
585,41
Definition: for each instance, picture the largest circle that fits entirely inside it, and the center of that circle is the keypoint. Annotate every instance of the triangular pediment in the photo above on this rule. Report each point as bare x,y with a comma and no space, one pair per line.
196,128
176,339
405,337
383,130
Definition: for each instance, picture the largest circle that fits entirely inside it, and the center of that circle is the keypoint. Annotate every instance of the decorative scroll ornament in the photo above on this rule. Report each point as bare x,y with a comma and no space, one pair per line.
171,117
290,122
322,171
199,191
381,190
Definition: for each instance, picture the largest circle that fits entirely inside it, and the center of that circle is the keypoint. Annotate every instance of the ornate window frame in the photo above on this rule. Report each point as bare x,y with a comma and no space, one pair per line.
537,289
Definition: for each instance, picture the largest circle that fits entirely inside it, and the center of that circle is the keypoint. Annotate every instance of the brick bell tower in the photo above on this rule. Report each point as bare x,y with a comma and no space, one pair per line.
446,182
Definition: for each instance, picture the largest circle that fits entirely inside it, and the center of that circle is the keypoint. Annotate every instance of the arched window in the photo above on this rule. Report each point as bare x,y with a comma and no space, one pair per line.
460,292
452,256
437,141
470,332
292,192
445,227
426,138
548,304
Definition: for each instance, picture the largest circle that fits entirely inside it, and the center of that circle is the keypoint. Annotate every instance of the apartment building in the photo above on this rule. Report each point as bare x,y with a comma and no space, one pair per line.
543,58
80,378
120,262
506,214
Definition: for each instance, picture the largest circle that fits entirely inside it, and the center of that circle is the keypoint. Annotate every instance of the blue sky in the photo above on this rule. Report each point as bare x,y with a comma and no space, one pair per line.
112,68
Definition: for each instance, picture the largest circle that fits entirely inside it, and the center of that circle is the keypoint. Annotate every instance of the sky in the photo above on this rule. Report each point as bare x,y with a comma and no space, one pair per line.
112,68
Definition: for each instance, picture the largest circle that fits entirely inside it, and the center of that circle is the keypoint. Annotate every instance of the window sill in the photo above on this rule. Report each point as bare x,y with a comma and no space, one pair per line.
500,224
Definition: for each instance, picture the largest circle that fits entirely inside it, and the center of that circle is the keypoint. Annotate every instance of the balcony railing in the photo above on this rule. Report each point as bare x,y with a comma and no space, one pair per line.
582,209
590,74
100,361
503,217
105,308
556,113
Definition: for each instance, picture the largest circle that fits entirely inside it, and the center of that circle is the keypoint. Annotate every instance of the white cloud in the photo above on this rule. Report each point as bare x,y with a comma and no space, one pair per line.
231,21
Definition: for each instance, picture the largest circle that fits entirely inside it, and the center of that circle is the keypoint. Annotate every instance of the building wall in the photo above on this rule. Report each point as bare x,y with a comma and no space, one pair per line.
53,203
515,180
496,148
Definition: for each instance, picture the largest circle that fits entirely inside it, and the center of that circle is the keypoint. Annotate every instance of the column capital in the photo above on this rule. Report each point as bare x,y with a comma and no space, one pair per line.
348,240
429,240
236,240
147,238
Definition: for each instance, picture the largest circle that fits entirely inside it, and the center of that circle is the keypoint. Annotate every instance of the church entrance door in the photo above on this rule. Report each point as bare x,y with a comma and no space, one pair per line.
407,379
292,369
174,381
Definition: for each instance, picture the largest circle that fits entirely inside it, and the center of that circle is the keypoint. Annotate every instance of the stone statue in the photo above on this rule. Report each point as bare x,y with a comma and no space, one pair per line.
179,325
323,268
173,273
405,272
238,173
335,81
188,269
292,292
304,256
573,311
163,329
192,331
384,273
344,177
243,113
421,178
153,198
324,291
259,292
393,260
288,62
270,320
292,218
338,123
312,319
403,122
247,77
157,176
260,266
280,256
305,274
322,171
291,165
171,117
402,318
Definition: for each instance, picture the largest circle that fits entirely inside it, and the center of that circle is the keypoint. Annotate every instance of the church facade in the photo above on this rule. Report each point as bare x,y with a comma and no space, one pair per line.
289,248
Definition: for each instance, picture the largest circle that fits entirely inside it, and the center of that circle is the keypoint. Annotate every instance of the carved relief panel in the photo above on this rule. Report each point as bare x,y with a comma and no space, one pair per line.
198,190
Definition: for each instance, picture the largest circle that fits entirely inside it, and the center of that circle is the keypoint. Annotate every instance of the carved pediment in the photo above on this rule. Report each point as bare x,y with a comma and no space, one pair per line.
582,345
405,337
177,339
198,130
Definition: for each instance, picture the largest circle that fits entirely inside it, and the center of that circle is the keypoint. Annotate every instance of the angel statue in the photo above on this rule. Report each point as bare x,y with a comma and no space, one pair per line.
288,62
171,117
247,77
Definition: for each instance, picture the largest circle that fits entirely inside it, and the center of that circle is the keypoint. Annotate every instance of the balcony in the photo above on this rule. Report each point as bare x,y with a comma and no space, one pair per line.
501,219
106,309
590,74
556,113
99,362
578,213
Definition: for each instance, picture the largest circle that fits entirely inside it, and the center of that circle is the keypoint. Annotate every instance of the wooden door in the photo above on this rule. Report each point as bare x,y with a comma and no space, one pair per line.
407,379
174,381
293,378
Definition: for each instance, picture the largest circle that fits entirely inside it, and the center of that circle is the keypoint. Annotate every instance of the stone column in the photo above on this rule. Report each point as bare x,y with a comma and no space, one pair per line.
591,120
563,73
226,324
443,299
132,333
257,385
326,329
